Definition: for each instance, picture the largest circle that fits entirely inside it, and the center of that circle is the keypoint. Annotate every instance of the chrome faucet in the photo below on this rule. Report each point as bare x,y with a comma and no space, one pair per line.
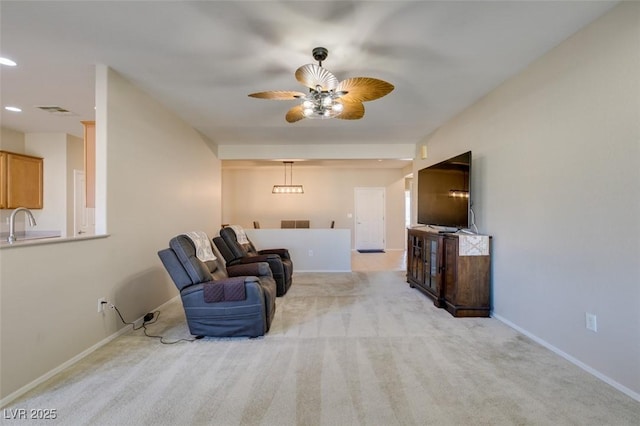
12,222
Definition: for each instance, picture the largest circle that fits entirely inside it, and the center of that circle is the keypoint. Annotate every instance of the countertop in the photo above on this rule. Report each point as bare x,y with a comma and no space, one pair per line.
31,238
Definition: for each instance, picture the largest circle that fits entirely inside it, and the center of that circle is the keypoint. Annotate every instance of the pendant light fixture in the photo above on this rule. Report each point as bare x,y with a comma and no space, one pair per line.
289,188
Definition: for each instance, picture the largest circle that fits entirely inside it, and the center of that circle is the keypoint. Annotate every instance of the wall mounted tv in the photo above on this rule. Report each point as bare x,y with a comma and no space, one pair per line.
444,191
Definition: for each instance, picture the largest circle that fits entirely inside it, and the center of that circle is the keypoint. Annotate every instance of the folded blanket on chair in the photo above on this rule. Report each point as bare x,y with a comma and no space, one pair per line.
240,234
204,252
226,290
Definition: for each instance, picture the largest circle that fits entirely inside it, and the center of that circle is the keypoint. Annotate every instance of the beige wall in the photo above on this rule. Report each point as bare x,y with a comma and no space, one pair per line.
11,140
75,161
556,181
61,153
52,147
328,195
161,179
556,178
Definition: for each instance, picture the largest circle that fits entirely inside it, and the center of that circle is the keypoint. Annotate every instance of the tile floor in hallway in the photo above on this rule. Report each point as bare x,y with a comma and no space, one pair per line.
391,260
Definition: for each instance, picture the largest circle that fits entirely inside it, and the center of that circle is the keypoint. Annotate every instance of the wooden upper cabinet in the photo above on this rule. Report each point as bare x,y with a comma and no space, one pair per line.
3,180
90,161
21,181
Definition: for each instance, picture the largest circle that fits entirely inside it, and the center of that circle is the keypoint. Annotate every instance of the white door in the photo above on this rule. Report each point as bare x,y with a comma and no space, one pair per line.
83,222
369,206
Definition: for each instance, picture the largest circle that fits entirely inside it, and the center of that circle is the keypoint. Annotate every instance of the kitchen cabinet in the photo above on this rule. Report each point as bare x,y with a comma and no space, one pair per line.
466,278
90,162
21,181
424,264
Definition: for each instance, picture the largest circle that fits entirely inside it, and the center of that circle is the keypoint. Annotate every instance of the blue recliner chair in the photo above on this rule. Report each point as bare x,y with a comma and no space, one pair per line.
235,252
220,301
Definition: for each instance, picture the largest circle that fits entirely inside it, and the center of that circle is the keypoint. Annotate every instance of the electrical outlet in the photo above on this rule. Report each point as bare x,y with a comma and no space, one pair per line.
102,302
310,253
591,322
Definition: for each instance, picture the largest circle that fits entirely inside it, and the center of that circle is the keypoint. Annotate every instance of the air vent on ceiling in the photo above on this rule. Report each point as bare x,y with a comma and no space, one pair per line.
56,110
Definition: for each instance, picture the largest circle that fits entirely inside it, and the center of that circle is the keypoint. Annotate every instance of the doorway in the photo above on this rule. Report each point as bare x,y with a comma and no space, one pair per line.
83,217
370,224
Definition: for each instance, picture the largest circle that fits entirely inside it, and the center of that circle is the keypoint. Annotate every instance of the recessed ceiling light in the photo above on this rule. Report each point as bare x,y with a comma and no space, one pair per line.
7,61
12,108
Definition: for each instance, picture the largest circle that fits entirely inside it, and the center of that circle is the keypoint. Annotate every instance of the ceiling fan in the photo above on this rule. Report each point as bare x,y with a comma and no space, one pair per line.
328,97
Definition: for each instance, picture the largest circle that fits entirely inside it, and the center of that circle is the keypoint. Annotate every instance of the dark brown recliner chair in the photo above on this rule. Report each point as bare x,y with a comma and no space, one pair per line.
219,301
236,253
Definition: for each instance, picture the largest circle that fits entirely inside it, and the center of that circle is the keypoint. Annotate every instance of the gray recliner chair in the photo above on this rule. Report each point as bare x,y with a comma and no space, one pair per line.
220,301
236,253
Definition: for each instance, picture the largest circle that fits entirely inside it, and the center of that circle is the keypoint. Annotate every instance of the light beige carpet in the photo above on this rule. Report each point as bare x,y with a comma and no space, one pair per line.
344,349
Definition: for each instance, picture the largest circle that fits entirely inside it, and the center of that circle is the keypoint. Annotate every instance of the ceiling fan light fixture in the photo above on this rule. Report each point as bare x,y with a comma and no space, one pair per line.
328,97
321,104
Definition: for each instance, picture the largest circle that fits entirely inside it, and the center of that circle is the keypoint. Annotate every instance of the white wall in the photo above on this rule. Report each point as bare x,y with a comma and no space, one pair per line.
556,181
52,147
61,153
75,161
11,140
161,179
311,250
328,195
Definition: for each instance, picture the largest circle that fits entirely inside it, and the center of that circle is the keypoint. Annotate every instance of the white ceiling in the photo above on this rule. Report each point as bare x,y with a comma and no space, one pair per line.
202,58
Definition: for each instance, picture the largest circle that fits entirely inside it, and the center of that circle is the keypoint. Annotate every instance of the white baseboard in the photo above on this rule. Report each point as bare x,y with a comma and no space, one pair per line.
585,367
29,386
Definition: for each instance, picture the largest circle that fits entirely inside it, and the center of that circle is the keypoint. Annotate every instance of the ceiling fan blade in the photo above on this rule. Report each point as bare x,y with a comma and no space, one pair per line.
278,95
312,75
363,89
351,111
295,114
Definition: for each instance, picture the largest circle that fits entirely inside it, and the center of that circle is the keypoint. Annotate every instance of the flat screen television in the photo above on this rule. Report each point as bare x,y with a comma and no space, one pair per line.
444,191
